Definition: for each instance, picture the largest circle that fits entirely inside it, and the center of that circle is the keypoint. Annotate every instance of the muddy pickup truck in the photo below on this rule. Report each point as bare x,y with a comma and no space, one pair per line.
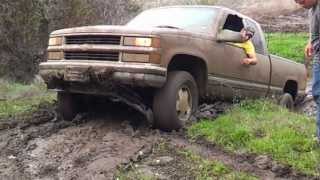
164,61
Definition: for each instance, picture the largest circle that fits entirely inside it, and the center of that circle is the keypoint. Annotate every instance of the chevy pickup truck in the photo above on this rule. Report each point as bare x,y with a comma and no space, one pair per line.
164,61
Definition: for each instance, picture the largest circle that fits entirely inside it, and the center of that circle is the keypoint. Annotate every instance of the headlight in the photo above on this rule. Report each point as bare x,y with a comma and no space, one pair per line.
141,41
55,41
141,58
55,55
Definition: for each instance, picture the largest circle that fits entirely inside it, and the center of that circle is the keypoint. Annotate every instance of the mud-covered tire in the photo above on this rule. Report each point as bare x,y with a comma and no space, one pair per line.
174,103
67,105
286,100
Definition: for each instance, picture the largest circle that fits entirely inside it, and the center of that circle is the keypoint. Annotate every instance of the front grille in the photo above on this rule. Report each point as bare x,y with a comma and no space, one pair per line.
98,56
93,39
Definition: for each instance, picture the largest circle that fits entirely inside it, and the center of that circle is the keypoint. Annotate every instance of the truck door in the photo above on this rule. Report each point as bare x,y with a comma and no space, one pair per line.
243,80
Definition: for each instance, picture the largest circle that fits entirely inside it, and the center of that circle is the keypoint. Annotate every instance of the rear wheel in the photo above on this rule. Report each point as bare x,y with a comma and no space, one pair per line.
67,105
287,101
174,103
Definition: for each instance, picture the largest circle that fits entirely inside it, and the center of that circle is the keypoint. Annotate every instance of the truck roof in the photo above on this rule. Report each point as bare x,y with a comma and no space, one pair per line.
231,11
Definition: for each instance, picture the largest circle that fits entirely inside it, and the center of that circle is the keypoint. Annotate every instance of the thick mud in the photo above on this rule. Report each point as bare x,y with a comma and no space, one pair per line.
167,165
307,105
89,147
41,145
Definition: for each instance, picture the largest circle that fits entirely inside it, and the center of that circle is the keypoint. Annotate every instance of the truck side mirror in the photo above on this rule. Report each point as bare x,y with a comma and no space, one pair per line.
226,35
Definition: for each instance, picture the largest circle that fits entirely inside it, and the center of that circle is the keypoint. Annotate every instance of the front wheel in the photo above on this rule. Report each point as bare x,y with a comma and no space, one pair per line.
287,101
174,103
67,105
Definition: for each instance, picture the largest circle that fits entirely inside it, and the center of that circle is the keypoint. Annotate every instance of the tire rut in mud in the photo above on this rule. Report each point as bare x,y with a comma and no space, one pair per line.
93,146
42,146
166,165
259,166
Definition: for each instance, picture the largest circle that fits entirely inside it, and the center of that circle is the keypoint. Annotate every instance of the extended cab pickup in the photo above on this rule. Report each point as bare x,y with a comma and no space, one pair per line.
164,61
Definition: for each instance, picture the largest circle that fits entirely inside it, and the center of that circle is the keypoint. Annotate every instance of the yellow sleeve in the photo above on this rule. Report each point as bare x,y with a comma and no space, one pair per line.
247,46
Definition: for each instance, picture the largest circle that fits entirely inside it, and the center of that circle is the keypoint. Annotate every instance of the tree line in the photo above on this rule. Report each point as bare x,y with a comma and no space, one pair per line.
25,26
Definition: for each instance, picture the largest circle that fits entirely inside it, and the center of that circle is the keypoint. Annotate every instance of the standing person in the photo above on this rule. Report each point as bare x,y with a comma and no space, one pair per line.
313,49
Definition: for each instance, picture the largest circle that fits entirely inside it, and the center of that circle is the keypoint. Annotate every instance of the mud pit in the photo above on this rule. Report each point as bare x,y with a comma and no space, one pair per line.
42,146
96,146
82,149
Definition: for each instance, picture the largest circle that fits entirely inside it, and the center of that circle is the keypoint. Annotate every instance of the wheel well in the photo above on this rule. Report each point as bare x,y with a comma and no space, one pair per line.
197,67
291,87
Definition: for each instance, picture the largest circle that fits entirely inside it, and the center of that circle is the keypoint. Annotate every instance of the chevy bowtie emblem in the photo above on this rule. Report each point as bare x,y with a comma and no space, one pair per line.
84,47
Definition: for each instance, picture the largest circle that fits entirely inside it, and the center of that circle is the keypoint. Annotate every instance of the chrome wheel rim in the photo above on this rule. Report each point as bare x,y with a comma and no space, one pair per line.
184,103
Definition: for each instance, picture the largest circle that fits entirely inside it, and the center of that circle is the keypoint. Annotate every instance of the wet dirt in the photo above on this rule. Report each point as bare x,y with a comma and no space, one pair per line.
308,106
291,21
89,147
41,145
166,164
258,166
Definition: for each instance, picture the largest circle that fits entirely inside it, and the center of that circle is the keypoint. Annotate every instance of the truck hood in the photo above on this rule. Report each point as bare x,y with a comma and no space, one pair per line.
119,30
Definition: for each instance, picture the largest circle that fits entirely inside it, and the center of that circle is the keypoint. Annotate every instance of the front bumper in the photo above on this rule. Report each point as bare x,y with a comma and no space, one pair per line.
55,73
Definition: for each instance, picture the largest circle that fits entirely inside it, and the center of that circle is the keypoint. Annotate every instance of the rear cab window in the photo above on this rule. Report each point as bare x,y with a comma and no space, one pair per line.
258,38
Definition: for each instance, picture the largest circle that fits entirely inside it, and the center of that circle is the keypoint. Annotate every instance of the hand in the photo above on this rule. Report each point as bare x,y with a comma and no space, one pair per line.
306,64
246,61
308,51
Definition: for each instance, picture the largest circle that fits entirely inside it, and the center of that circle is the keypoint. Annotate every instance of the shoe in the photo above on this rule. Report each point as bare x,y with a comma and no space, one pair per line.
317,141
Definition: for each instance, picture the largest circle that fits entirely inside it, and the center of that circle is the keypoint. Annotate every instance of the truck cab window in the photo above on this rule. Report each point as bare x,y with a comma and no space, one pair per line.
233,23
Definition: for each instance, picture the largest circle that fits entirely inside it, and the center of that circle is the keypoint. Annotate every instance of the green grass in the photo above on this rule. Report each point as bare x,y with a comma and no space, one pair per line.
18,98
264,128
209,169
288,45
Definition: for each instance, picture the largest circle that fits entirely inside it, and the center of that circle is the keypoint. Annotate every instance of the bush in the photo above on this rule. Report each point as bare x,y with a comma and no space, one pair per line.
25,26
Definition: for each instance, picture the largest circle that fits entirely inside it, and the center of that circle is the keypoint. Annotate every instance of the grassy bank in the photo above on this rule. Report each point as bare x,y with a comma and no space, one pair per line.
18,98
264,128
288,45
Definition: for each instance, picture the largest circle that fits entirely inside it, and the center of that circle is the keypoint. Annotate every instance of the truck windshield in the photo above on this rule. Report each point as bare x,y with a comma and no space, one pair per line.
198,19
